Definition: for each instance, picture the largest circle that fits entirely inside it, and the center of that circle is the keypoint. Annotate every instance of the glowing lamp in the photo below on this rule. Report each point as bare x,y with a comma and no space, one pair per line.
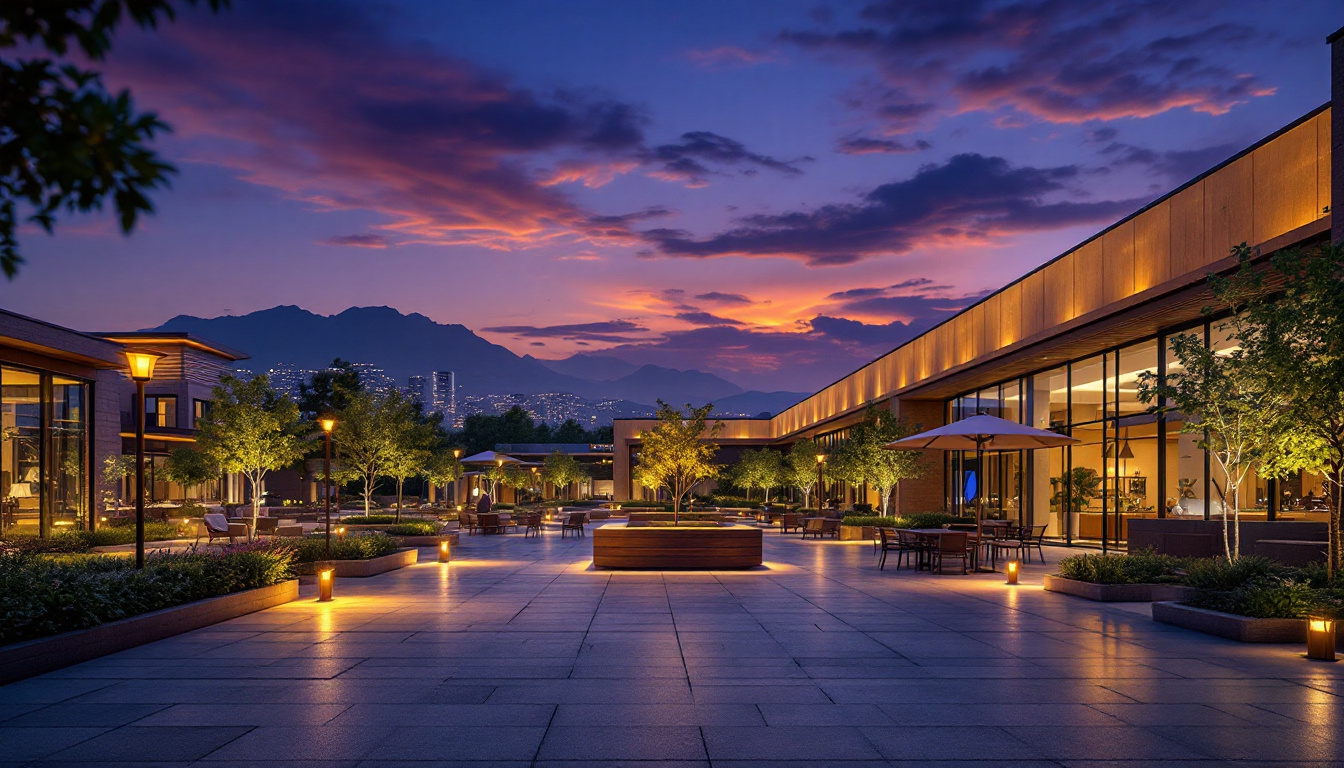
444,554
326,578
328,424
821,458
142,364
1011,569
340,532
1321,639
457,453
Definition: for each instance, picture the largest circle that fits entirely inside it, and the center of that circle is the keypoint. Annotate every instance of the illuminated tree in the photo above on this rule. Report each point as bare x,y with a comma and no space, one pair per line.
250,429
678,453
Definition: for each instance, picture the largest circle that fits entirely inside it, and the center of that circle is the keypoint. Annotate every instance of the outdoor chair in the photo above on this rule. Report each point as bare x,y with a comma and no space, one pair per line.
467,522
951,545
265,526
217,526
790,521
1034,537
892,541
831,527
1004,541
813,526
533,521
288,531
488,522
574,523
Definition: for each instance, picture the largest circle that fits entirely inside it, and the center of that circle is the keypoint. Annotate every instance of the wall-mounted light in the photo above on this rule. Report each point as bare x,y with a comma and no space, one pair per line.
1010,568
326,579
1321,639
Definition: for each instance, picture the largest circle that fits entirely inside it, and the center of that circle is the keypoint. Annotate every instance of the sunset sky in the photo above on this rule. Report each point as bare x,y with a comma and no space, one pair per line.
773,191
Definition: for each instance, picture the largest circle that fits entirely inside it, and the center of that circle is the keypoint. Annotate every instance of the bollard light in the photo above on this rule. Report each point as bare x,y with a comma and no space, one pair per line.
444,553
1011,569
340,532
1321,639
326,578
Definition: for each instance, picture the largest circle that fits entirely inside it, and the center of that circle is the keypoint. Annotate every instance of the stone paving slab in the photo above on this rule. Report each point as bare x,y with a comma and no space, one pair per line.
519,654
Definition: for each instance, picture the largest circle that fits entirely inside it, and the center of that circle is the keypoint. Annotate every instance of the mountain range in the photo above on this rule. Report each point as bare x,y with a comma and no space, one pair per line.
412,344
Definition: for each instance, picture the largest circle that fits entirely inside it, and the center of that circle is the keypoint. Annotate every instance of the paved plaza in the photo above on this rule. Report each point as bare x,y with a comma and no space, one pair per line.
519,654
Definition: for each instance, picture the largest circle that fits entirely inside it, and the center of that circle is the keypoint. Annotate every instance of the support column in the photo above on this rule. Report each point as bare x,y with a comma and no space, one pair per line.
928,493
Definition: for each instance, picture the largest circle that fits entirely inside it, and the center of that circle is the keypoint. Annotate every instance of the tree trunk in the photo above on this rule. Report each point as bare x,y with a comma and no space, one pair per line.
1236,520
400,482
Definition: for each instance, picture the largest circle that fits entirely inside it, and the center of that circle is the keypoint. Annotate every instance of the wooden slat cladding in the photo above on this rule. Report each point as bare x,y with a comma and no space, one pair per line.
1274,188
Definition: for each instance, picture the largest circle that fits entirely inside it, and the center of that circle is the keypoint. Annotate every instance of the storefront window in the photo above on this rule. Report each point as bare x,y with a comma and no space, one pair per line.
21,472
1184,495
43,452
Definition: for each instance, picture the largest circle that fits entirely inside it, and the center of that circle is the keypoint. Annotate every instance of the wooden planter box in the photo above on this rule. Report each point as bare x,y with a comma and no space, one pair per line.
734,547
35,657
1241,628
1116,593
427,541
362,568
857,532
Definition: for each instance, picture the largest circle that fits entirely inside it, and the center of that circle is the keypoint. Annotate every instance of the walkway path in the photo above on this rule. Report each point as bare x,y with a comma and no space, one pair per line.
519,655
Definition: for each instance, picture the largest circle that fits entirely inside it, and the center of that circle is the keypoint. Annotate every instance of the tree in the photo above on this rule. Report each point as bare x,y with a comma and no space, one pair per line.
517,477
443,468
761,468
1291,328
410,437
678,453
863,459
570,431
364,438
250,429
799,468
65,142
188,466
116,467
329,391
561,470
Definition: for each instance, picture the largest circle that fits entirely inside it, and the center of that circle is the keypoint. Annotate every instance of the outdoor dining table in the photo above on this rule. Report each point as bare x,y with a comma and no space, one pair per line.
937,533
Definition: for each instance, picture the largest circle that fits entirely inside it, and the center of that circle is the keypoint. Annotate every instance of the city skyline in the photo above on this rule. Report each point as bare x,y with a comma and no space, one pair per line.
720,190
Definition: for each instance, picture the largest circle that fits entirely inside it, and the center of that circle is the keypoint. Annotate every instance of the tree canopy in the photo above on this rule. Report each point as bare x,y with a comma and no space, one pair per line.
678,452
250,429
799,467
862,457
561,470
329,391
762,468
66,143
483,431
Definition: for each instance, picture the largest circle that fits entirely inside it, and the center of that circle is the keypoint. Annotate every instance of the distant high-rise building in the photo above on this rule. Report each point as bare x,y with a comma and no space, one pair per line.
374,379
286,378
415,390
443,395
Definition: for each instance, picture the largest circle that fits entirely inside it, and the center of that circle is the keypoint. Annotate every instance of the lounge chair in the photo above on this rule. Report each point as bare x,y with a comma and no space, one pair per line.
217,526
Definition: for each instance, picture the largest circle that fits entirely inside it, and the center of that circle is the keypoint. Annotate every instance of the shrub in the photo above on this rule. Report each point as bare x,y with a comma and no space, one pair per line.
504,506
1264,597
378,519
863,509
413,529
873,520
1217,575
361,546
1146,567
41,596
76,542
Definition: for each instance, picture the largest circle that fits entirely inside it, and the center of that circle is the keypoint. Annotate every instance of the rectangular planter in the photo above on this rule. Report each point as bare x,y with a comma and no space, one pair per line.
1116,593
362,568
734,547
1241,628
857,532
35,657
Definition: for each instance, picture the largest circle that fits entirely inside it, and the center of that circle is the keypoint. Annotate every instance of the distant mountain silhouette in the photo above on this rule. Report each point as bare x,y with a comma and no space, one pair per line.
406,345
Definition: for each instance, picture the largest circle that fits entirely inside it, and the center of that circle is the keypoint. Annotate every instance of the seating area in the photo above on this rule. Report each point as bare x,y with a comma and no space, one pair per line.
930,548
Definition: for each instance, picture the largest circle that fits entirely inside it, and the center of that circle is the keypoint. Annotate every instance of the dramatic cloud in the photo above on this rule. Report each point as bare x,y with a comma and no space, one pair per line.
358,241
685,160
611,331
728,57
322,101
1174,166
717,297
706,319
1052,60
970,198
867,145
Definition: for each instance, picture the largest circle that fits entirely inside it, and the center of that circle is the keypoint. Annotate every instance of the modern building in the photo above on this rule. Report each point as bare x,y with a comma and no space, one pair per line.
1062,348
415,390
596,458
443,394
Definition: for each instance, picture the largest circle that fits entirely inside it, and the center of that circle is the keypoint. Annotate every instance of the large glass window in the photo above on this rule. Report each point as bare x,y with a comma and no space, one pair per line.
69,449
21,470
161,411
43,452
1185,493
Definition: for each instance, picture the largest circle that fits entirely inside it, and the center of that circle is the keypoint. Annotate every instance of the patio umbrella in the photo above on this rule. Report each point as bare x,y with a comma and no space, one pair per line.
983,432
489,457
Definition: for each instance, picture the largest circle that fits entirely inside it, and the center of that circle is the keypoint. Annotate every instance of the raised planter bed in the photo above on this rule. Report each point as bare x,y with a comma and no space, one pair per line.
857,532
35,657
1241,628
723,547
362,568
1116,593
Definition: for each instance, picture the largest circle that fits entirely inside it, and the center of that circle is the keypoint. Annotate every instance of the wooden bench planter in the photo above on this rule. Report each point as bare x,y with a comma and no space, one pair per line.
735,547
1240,628
1116,593
35,657
362,568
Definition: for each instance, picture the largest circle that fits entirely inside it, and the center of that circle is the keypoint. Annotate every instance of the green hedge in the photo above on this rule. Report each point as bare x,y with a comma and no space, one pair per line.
376,519
912,520
1146,567
41,596
413,529
76,542
359,546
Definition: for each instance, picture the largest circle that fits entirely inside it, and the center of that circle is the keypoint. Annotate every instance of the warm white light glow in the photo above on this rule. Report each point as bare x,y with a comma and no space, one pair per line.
142,364
328,424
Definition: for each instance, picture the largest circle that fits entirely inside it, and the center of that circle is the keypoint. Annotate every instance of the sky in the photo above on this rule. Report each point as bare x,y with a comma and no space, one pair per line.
773,191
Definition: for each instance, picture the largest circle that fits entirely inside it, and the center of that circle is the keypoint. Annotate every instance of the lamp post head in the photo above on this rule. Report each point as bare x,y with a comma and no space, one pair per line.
821,458
499,462
141,364
328,424
457,453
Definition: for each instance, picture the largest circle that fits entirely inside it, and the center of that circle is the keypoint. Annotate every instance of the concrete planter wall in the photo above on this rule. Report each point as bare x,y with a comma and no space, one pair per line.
35,657
1116,593
1241,628
363,568
857,532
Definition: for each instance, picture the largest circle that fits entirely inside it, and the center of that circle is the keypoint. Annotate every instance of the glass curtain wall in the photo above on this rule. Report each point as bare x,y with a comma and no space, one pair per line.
998,484
44,481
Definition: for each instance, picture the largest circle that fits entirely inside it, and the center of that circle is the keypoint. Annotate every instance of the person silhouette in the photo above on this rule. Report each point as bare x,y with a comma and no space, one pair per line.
484,504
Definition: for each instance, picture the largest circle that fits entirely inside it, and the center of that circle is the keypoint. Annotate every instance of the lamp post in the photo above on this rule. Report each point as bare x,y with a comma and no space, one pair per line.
494,484
142,370
457,473
534,481
328,424
821,462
